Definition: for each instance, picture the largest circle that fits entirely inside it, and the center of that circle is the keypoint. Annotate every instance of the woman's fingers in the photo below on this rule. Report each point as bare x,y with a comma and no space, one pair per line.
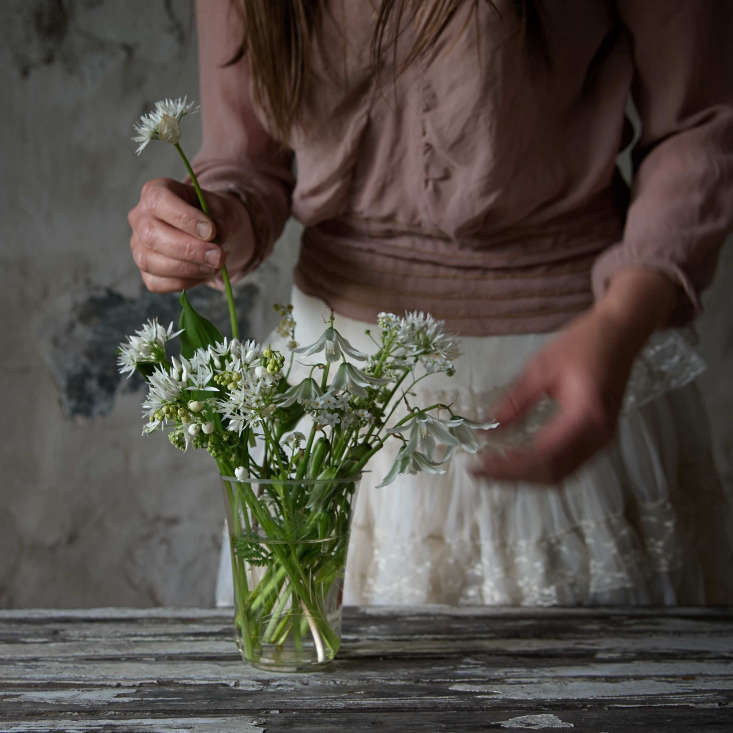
521,396
157,284
175,203
556,451
152,236
172,240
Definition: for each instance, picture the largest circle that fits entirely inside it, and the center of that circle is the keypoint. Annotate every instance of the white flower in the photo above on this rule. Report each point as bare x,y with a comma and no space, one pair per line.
197,371
329,408
162,123
304,393
388,321
146,346
424,432
411,461
463,429
335,346
348,377
207,428
422,336
249,402
240,473
164,388
295,439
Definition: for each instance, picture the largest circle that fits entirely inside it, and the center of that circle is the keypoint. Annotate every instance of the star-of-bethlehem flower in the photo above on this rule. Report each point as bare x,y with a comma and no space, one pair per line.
163,122
334,345
424,433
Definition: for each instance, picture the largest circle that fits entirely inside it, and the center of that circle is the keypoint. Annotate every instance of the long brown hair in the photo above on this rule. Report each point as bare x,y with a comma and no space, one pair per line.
278,34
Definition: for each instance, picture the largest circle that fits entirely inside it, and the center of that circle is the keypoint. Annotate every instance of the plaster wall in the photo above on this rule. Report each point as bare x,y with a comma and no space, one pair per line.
90,513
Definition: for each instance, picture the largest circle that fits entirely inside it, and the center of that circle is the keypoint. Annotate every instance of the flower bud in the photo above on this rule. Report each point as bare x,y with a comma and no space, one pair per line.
195,406
239,473
208,428
193,428
259,372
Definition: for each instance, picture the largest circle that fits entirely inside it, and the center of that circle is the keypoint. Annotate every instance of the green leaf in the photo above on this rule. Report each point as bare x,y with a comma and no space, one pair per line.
197,331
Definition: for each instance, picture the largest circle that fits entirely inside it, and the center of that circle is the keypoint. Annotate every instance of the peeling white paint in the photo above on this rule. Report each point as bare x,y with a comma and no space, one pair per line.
536,722
159,725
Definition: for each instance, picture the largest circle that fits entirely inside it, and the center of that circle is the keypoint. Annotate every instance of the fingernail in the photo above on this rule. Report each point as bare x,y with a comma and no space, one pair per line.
207,270
204,229
213,257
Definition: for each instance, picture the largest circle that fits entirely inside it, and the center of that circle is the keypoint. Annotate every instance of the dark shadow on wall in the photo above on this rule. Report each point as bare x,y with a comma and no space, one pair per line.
81,342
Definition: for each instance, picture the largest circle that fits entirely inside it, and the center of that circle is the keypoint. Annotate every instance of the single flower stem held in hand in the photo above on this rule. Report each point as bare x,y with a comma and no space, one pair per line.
223,272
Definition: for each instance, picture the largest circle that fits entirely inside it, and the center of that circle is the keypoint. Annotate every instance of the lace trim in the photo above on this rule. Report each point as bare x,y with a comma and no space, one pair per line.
519,571
667,362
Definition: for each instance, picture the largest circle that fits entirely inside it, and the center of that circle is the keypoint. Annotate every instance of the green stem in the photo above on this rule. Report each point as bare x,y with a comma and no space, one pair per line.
223,272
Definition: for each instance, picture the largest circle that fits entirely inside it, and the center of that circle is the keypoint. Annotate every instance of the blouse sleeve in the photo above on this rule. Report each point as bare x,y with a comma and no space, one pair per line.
237,154
682,195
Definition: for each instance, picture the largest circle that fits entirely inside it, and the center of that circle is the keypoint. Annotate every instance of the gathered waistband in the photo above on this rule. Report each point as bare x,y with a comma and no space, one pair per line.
526,279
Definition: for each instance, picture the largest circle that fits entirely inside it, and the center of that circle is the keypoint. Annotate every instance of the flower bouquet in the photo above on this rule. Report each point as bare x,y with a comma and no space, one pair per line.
290,453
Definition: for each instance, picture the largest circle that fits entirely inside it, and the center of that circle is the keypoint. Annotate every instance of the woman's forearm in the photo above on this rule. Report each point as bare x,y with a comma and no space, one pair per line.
639,300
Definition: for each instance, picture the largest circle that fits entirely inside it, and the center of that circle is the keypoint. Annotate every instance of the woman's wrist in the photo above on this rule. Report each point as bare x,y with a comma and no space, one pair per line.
638,300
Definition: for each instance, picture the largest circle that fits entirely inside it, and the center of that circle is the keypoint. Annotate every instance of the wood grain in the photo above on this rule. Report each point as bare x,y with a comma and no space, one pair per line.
402,669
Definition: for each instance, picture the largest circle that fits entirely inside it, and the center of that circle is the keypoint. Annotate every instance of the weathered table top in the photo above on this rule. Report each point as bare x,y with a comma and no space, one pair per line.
399,669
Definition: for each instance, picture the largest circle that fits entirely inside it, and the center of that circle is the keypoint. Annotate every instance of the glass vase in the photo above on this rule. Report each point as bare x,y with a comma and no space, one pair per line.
288,542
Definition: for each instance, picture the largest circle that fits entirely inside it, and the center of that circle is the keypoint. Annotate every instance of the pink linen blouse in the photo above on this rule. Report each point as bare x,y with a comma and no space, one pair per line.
481,184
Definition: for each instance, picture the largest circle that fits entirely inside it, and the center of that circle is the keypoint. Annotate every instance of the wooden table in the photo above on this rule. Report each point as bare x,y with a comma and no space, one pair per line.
399,669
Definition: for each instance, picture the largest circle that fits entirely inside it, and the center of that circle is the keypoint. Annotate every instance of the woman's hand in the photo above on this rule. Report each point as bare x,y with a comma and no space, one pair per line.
584,369
176,246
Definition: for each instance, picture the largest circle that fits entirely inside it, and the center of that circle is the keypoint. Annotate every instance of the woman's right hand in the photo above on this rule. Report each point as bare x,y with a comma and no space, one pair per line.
176,246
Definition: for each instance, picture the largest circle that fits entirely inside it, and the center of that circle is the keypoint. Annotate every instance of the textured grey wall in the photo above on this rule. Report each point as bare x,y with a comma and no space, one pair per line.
90,513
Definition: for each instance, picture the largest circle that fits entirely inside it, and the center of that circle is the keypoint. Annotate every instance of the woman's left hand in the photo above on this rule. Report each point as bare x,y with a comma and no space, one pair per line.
584,369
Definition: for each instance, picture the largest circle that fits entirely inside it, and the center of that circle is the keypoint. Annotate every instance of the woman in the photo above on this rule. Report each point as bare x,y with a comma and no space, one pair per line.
459,157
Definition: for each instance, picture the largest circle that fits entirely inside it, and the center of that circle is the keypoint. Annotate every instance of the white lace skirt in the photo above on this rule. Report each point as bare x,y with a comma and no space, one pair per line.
644,522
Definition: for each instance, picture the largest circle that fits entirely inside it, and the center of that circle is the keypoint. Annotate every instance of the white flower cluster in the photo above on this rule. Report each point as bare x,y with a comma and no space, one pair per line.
212,398
249,376
331,408
241,376
162,123
419,336
146,346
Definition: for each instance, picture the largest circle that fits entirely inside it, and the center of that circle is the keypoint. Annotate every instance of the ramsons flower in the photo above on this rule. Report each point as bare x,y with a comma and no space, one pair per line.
421,335
164,389
146,346
163,122
250,401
